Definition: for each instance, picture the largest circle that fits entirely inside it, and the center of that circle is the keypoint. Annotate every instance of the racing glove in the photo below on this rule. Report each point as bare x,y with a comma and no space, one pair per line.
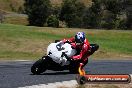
77,57
67,41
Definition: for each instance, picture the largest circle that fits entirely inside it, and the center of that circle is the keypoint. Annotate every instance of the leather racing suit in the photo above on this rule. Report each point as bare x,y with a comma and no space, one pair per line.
82,50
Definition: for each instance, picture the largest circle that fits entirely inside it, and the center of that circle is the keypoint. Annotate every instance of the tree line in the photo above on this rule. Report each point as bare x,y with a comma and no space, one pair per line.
108,14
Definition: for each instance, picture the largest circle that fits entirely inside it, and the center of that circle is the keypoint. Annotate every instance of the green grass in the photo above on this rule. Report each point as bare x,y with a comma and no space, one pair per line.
114,41
28,42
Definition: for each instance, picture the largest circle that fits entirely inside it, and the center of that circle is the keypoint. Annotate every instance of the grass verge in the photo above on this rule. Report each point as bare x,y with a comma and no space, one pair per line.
28,42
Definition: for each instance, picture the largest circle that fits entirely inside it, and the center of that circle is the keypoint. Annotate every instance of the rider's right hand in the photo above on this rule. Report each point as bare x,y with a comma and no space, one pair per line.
73,45
68,42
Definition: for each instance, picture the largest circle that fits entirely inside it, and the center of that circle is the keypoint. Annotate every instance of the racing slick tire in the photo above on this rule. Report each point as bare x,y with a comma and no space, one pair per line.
39,67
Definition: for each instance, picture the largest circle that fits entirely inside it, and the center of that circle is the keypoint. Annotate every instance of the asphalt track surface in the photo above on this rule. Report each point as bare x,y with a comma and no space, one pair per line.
14,74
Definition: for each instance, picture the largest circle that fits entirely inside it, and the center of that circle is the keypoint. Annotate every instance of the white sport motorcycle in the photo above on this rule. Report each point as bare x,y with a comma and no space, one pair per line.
58,58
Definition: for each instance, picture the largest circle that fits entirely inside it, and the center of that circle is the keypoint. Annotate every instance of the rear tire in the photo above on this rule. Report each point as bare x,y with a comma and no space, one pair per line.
74,70
74,67
39,67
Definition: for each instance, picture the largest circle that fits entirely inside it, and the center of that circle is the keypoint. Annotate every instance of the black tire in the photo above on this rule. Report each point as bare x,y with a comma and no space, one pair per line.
74,65
39,67
74,70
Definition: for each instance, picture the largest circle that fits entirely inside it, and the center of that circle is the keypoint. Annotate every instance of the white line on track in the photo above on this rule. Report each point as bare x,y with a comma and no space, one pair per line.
64,84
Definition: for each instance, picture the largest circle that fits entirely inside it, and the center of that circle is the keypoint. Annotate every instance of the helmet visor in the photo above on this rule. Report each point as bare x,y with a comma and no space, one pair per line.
78,40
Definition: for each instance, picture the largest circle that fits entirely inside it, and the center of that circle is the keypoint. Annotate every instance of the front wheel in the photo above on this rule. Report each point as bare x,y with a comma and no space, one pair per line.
39,67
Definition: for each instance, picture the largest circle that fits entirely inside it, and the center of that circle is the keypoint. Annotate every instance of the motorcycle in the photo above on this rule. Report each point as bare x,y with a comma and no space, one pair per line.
58,58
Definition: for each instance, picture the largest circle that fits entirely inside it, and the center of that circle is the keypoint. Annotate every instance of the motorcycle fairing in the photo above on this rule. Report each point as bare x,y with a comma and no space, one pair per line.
55,51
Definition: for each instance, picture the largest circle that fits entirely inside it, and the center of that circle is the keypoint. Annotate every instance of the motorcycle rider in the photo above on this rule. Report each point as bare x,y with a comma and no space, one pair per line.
82,45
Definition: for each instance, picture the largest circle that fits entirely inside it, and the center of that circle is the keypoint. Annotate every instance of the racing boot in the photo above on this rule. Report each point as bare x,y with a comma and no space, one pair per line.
81,70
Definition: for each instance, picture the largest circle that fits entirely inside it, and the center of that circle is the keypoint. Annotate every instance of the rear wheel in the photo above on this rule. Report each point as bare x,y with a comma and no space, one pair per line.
74,67
39,66
74,70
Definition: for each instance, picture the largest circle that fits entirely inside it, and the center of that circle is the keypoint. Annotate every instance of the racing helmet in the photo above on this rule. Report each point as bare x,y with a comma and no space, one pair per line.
80,37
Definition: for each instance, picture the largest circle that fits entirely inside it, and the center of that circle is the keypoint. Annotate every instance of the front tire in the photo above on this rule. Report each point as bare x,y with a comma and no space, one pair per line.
39,67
